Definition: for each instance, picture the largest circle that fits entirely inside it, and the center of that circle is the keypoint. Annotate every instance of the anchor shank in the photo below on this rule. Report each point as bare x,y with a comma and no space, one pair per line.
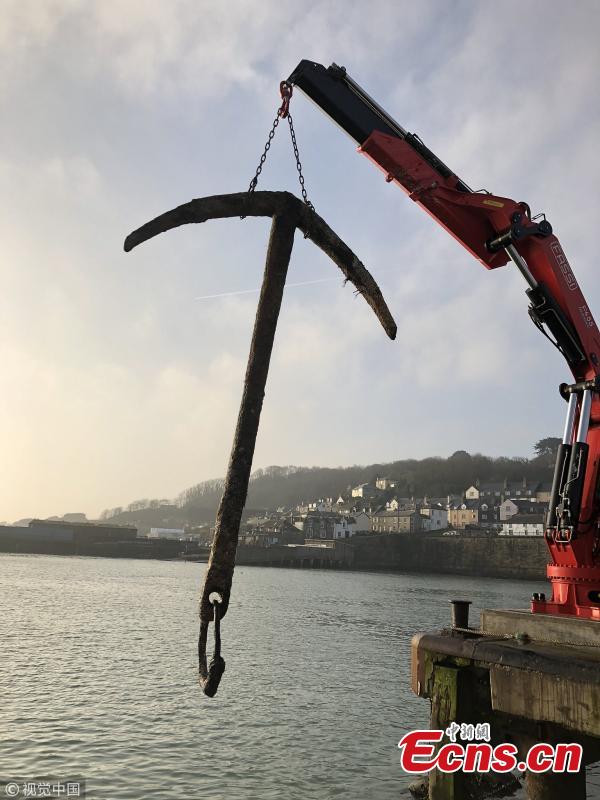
222,555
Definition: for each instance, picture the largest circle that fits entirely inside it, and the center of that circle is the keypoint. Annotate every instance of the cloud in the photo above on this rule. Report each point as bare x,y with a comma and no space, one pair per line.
105,431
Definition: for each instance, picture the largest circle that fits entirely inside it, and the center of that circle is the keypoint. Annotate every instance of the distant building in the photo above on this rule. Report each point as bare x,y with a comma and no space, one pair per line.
396,522
441,502
363,522
27,534
323,504
512,506
402,504
316,525
383,484
260,538
492,491
437,517
80,531
489,514
271,531
524,489
543,492
325,525
425,523
496,493
252,520
365,490
167,533
289,534
523,525
462,514
344,527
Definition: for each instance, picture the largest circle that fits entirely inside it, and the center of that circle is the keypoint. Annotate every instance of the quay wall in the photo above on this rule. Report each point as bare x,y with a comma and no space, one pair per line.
499,557
495,557
485,556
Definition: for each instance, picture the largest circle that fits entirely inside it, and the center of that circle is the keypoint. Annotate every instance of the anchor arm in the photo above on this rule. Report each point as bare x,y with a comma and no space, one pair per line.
313,226
268,204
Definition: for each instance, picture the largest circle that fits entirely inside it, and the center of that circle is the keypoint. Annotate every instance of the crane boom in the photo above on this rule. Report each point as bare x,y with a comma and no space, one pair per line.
497,230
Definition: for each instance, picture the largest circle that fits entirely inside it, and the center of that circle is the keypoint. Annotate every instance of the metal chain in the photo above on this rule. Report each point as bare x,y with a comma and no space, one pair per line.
299,164
286,93
263,158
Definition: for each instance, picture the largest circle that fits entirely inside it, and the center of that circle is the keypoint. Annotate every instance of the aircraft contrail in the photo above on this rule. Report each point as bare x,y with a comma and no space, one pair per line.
255,291
287,286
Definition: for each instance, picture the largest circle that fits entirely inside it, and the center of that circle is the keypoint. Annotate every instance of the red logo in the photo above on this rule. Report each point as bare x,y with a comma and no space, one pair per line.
419,754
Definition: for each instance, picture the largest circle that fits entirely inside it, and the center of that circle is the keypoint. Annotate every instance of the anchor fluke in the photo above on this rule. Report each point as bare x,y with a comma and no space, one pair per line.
269,204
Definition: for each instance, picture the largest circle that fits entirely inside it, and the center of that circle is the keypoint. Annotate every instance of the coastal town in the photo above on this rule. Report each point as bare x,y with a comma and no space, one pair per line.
504,509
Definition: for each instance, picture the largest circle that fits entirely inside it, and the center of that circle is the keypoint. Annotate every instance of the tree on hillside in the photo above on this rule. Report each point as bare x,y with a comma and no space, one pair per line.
111,512
273,487
546,449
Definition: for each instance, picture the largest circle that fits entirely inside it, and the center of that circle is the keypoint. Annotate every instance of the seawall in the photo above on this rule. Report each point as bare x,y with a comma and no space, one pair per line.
499,557
496,557
489,556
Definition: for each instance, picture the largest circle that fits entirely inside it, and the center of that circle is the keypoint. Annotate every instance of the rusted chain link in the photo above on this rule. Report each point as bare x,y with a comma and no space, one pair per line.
210,676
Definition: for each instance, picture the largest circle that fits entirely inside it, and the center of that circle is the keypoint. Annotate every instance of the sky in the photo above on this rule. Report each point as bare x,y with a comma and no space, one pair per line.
118,382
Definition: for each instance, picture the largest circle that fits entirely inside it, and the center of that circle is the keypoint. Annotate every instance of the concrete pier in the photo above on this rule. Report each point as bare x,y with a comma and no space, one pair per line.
533,678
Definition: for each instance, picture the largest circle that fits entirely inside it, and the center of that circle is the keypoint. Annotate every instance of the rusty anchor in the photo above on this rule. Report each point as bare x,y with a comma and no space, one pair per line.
288,213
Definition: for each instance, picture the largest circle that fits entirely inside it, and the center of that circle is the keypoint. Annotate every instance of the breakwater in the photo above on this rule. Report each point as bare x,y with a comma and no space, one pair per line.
163,549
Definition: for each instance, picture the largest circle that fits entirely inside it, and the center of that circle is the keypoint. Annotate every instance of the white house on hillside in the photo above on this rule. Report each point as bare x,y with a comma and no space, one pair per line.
365,490
344,527
524,525
385,483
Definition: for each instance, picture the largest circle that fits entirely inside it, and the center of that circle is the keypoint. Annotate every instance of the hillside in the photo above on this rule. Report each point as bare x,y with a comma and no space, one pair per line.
275,486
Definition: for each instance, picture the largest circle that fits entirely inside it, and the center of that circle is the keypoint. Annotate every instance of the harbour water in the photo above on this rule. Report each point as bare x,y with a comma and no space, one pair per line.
99,677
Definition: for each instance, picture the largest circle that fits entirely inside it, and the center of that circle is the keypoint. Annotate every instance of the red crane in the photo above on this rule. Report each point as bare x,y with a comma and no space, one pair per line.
497,230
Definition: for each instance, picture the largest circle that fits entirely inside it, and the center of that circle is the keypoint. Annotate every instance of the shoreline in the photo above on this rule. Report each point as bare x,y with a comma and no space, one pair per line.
504,558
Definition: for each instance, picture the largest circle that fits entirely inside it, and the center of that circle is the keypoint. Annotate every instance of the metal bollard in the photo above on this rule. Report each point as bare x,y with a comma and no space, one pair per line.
460,613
